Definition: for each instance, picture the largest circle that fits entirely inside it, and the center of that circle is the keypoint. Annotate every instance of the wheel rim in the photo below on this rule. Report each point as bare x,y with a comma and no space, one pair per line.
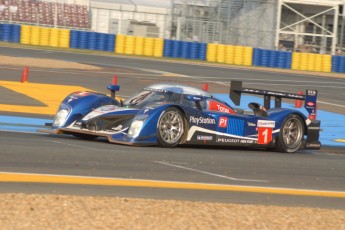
292,133
171,127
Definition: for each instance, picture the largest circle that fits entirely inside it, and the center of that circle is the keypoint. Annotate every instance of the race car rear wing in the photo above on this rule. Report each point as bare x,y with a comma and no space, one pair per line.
310,97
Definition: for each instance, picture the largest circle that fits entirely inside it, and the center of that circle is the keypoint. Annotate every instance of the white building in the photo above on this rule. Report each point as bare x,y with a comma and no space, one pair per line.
132,17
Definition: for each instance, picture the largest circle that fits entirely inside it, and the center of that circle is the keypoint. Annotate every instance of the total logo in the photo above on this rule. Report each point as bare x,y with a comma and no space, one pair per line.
223,109
223,122
215,106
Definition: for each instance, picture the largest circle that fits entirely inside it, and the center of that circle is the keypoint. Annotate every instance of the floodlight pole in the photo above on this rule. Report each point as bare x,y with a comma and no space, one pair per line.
335,29
279,12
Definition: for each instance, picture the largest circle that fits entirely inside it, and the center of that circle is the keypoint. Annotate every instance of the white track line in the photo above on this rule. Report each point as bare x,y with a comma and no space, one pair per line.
208,173
327,103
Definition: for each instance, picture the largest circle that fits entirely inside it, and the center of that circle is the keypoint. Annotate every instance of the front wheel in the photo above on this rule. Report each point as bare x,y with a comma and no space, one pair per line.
291,134
170,127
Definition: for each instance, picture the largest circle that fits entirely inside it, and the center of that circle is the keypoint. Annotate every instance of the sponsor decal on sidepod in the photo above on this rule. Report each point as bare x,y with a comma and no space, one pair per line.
204,138
310,104
251,124
266,124
234,140
202,120
223,122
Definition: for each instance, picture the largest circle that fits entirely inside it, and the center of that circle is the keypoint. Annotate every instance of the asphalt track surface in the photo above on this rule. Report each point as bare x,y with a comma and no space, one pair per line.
260,170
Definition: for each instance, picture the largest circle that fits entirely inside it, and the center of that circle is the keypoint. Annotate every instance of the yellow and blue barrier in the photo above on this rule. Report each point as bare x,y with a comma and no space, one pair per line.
229,54
134,45
64,38
129,45
157,47
25,31
44,36
148,46
54,37
120,44
311,62
139,46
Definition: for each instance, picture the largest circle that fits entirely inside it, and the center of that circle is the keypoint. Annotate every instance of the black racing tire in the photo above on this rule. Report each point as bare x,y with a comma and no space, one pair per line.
291,134
84,136
170,127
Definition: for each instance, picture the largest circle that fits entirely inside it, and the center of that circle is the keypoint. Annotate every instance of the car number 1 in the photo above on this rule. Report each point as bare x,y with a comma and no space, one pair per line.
264,135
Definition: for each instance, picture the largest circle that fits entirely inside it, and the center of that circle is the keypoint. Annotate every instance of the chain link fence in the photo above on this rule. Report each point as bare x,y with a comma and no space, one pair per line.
237,22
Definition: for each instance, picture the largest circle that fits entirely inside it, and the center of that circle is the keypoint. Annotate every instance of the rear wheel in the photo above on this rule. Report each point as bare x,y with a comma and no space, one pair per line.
291,134
170,127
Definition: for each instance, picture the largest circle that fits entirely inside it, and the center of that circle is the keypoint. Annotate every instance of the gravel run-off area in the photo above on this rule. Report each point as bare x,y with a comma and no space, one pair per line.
19,211
39,211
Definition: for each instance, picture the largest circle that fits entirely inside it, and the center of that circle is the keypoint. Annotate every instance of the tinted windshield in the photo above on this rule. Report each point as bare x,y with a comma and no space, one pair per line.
148,97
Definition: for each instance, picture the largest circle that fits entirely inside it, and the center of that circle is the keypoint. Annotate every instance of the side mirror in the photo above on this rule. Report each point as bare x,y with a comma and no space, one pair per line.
194,98
113,89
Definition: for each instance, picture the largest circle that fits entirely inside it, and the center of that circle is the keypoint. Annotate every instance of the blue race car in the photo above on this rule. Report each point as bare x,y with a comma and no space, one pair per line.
171,114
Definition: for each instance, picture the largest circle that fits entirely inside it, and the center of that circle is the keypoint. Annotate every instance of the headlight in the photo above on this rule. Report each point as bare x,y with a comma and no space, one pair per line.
60,117
136,126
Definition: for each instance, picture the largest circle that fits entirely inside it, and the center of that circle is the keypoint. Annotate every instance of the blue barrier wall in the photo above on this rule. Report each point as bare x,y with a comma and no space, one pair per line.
74,39
10,33
101,41
176,49
203,51
272,58
110,44
338,64
194,51
92,41
185,50
6,33
257,57
82,40
15,33
265,58
167,48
